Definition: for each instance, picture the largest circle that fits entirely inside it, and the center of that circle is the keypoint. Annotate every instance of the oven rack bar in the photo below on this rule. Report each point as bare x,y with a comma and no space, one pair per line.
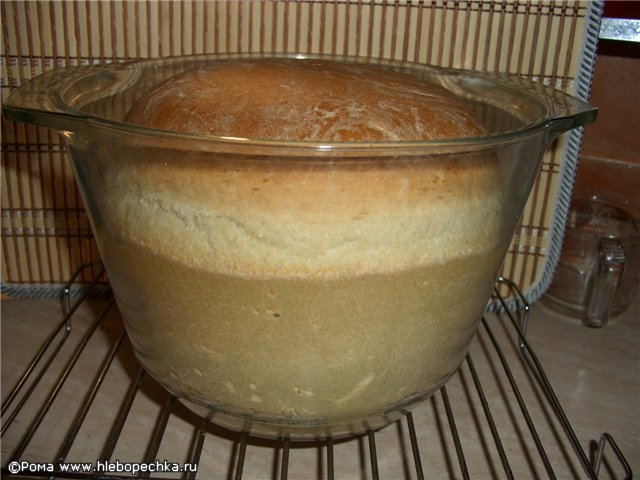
38,367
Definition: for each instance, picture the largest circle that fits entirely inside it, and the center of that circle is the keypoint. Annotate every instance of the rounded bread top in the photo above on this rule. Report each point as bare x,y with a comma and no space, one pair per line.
304,100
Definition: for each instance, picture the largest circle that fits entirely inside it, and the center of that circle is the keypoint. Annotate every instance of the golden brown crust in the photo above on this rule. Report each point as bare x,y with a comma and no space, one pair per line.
308,100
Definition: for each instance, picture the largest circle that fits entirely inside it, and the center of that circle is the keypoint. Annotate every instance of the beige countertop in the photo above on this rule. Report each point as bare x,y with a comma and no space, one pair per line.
595,374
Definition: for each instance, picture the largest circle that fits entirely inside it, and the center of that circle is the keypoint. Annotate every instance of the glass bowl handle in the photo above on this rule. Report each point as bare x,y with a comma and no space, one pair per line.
41,101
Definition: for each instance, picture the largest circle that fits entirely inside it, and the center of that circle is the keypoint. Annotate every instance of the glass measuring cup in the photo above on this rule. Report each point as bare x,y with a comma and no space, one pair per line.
599,268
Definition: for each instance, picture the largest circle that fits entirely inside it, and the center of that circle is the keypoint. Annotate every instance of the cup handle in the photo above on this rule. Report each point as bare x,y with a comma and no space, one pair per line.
605,285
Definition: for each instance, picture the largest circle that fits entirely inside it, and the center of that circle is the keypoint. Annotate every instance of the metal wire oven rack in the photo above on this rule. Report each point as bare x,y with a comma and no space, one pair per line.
83,397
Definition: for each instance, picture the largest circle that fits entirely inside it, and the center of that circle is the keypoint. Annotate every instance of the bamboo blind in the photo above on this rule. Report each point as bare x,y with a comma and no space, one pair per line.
45,232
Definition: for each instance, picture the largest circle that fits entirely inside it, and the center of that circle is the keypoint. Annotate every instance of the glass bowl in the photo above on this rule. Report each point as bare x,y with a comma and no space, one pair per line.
299,289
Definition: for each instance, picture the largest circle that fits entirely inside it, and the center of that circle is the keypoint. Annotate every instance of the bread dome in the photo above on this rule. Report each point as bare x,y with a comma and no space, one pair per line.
311,100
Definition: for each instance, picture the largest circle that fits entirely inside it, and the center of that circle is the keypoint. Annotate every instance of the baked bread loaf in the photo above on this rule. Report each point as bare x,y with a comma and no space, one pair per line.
300,217
303,294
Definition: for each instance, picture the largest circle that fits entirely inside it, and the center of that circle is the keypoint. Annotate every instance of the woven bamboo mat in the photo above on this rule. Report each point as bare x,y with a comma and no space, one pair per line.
45,231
